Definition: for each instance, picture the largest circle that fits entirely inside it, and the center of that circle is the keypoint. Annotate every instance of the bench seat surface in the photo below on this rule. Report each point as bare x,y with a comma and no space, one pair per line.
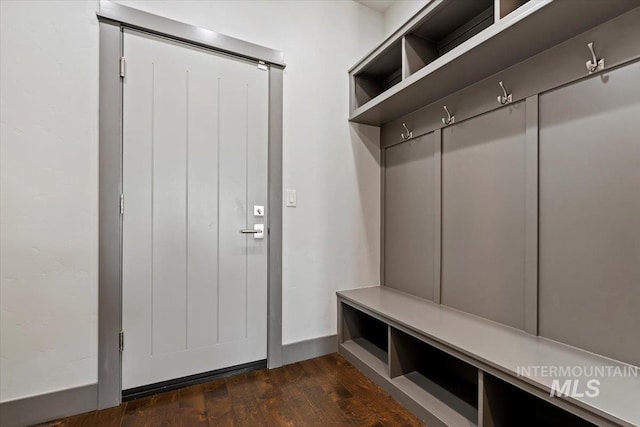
504,348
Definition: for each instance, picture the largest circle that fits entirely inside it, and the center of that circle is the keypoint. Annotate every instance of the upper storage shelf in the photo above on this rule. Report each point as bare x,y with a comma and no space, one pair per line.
451,44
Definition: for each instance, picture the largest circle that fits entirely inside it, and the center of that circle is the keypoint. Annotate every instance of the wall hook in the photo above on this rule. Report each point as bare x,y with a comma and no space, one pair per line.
450,119
505,98
409,133
594,64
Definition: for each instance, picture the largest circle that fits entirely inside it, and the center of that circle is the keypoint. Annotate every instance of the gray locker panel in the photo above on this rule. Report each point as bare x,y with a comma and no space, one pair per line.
589,291
483,215
409,216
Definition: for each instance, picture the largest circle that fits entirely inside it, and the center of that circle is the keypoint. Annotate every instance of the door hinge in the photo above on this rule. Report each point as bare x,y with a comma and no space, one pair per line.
122,65
121,341
122,204
262,66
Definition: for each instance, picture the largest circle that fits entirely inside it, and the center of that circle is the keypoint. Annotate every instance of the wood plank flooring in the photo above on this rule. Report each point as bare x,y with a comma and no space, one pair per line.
327,391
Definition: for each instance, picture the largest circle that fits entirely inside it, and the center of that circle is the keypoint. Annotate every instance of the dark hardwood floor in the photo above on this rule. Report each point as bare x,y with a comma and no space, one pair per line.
327,391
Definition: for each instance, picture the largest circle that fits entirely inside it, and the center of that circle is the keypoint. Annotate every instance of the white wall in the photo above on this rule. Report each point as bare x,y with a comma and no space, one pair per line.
49,194
49,149
400,12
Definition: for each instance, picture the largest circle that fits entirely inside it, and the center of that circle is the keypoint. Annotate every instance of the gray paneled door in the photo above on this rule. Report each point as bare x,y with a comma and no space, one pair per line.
195,164
483,215
590,214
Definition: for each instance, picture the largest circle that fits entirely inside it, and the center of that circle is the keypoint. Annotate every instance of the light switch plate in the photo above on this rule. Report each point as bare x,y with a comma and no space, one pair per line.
292,198
258,210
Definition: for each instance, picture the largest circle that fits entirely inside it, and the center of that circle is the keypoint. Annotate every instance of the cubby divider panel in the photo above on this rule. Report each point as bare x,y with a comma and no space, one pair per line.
444,384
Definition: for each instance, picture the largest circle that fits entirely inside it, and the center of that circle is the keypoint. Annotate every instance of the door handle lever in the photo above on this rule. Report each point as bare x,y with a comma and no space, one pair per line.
257,231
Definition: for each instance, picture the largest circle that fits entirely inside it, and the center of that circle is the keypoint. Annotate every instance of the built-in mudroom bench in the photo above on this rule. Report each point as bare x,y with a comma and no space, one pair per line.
456,369
510,214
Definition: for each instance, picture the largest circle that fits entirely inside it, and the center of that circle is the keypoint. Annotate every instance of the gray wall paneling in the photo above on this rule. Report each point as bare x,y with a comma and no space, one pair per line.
483,215
590,214
409,216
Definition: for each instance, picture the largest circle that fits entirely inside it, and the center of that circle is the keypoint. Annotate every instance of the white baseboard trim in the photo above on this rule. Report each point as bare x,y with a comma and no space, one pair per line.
49,406
303,350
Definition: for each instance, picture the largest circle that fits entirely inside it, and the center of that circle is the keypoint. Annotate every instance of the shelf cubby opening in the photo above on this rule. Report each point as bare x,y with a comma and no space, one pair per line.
507,405
505,7
441,383
445,29
382,73
366,337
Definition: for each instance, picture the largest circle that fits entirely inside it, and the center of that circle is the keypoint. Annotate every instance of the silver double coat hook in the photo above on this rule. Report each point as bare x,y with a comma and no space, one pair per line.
450,118
408,134
594,64
505,98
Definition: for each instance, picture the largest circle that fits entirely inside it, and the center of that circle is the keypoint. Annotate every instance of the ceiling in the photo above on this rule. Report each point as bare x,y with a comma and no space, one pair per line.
379,5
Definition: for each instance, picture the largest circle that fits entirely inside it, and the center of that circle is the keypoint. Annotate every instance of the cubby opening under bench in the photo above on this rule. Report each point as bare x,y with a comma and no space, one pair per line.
451,368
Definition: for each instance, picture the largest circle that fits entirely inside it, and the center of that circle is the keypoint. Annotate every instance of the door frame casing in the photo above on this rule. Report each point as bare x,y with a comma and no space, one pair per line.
113,19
